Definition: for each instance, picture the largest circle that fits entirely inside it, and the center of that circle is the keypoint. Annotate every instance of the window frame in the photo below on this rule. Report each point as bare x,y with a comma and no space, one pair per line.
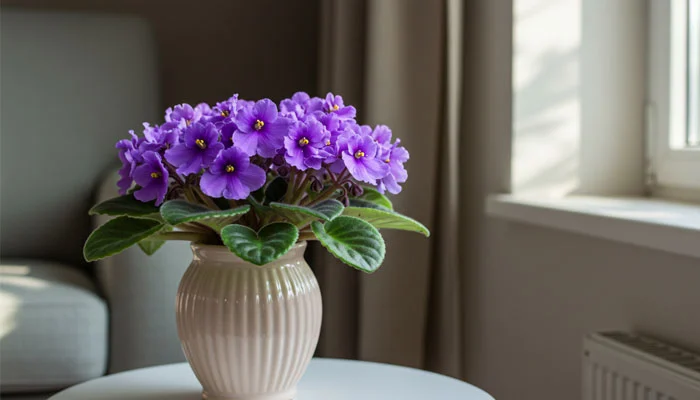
673,164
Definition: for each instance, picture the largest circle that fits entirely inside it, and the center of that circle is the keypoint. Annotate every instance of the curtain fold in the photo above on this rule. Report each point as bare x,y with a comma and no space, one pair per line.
399,62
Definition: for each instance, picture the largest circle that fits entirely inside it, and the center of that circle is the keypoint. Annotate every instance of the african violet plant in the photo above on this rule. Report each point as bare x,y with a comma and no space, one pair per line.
257,179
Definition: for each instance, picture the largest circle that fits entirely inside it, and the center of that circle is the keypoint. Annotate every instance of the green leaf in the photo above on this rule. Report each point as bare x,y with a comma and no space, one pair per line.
150,245
177,212
366,204
118,234
268,244
330,208
301,216
383,219
373,196
352,240
126,205
275,190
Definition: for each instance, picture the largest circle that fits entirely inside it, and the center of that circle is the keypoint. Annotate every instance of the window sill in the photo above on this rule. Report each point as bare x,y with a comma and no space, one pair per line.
653,223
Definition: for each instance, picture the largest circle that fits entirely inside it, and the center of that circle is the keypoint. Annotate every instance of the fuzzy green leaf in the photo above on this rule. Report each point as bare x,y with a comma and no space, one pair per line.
177,212
301,216
366,204
373,196
353,241
268,244
150,244
117,235
126,205
384,219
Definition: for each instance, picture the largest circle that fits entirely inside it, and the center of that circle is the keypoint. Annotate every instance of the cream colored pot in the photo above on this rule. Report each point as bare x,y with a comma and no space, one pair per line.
248,331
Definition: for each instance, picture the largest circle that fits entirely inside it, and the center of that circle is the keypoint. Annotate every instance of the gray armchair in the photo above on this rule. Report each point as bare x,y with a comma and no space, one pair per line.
72,85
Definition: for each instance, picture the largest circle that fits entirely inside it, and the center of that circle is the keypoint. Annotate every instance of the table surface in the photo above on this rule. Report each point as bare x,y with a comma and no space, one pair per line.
326,379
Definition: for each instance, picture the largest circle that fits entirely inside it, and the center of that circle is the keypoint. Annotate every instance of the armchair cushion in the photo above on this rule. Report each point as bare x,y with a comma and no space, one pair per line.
53,327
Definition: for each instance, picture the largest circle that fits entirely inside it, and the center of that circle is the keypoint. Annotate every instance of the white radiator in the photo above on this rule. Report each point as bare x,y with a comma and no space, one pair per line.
625,366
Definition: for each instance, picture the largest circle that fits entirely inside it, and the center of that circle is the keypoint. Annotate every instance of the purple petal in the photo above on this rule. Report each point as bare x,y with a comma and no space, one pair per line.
357,169
382,134
193,166
235,189
253,177
269,144
279,128
296,158
313,162
399,154
348,112
390,183
179,154
376,168
265,110
248,142
245,120
213,185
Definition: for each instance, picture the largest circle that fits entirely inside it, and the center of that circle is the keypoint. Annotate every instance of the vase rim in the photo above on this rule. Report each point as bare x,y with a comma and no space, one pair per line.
222,253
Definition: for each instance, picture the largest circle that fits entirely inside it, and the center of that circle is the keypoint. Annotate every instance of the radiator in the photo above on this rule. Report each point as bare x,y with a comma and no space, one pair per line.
626,366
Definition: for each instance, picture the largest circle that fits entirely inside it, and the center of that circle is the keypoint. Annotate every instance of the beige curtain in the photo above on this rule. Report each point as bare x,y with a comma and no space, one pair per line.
399,62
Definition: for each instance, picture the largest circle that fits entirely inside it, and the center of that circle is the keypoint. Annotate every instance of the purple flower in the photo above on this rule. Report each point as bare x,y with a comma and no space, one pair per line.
335,104
202,109
303,144
394,157
360,159
225,111
161,138
227,131
260,131
197,151
232,176
130,157
300,106
152,176
182,115
382,135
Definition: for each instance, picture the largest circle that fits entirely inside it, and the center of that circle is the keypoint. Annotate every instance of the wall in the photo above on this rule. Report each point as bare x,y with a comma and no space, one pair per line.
262,48
533,292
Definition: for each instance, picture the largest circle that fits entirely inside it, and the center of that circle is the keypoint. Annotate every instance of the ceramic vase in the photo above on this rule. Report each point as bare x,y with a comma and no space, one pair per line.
248,331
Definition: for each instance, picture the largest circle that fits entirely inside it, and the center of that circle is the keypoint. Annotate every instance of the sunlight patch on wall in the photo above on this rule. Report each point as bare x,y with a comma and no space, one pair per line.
546,83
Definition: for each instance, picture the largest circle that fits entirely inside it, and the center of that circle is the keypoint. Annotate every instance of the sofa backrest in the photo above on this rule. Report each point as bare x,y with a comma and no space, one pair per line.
72,85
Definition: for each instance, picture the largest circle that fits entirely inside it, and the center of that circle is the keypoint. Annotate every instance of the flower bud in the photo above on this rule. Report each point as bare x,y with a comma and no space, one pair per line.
357,190
316,185
278,160
283,171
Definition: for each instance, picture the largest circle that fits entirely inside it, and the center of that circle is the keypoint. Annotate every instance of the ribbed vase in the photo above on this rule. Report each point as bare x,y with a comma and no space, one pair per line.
248,331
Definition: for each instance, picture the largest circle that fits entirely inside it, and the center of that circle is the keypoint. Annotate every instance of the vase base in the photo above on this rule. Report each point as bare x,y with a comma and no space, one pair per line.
288,395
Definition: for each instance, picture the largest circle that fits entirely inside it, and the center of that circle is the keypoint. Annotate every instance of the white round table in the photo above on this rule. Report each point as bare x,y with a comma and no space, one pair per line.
326,379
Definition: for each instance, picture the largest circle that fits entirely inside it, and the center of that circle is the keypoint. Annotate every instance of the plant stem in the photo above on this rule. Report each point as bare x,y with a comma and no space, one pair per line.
199,227
307,236
206,199
188,236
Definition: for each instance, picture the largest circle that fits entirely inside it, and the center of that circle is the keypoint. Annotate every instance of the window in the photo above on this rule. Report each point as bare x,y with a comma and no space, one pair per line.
673,108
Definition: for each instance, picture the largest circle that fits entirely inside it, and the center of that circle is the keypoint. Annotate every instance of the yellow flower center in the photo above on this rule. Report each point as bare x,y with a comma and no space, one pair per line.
333,108
258,125
303,141
224,113
359,154
201,144
188,122
328,142
388,160
230,168
155,175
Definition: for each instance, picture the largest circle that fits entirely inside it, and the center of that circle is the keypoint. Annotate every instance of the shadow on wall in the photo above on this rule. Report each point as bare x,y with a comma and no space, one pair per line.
262,48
